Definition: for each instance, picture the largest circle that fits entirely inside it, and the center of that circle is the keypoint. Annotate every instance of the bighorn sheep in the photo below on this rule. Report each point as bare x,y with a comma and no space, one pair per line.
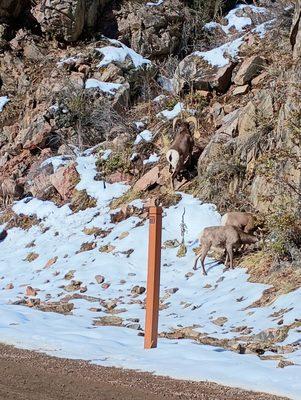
179,153
10,189
227,237
242,220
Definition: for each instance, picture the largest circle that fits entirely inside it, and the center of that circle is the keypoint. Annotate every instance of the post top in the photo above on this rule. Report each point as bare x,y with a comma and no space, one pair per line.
155,210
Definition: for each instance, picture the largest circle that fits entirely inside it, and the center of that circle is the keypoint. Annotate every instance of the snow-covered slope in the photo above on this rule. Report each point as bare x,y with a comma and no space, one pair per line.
187,299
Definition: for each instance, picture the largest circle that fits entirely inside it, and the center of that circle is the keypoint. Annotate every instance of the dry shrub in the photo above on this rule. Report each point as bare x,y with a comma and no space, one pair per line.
81,201
89,115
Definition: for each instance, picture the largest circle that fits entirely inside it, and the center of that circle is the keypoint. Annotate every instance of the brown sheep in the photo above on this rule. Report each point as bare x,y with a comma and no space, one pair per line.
242,220
227,237
180,151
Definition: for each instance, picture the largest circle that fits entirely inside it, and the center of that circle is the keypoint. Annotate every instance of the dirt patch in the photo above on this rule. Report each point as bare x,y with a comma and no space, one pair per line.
26,375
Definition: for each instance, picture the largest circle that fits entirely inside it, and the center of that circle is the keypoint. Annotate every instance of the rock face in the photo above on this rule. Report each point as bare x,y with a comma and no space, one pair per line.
11,8
68,18
151,31
296,31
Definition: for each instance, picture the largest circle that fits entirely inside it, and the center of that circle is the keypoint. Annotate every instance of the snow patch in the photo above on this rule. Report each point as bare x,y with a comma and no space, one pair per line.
153,158
236,22
145,135
171,114
119,55
3,101
106,87
155,4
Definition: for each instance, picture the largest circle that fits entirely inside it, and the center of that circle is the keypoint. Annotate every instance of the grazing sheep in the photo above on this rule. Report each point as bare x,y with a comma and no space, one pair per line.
242,220
227,237
179,153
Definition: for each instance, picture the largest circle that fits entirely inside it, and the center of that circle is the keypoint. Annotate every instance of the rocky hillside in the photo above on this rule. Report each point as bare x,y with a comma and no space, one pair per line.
89,91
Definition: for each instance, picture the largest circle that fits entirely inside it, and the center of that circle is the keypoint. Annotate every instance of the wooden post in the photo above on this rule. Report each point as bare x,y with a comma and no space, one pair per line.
153,277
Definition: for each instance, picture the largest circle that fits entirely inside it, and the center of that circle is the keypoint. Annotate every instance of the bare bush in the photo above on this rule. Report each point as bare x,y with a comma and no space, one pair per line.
86,118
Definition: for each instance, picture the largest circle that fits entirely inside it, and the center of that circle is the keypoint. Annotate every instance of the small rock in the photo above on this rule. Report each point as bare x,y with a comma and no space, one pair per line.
138,290
50,262
260,78
133,320
30,291
110,305
86,247
171,244
111,320
189,275
83,289
95,309
172,290
123,235
9,286
284,363
30,244
220,321
240,90
136,327
73,286
105,285
69,275
31,257
107,248
99,279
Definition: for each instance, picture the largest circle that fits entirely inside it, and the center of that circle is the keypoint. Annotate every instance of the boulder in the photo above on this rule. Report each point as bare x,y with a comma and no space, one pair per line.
66,19
249,69
195,73
36,134
147,180
64,180
151,31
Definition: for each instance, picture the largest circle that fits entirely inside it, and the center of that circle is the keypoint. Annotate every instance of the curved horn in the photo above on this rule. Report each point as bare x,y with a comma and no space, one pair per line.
174,122
194,121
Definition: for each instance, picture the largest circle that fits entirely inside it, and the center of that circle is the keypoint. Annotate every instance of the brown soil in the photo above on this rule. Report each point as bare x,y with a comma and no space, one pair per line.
26,375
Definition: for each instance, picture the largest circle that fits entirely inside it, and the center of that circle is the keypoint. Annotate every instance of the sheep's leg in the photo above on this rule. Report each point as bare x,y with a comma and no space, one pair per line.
203,256
172,181
227,259
230,253
196,261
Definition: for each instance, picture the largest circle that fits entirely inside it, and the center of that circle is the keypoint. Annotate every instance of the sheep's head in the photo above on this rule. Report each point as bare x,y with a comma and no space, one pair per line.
188,125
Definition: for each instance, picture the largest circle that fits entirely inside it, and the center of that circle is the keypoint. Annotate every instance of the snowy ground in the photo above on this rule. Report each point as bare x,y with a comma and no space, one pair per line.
198,301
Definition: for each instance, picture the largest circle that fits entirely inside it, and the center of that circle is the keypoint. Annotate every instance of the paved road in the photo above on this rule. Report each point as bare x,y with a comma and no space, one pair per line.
26,375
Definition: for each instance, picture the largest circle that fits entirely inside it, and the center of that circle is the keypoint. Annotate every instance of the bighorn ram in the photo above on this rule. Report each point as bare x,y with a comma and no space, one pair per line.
227,237
10,189
179,153
242,220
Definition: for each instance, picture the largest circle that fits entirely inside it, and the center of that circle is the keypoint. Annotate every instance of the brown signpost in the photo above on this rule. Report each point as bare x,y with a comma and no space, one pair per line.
153,278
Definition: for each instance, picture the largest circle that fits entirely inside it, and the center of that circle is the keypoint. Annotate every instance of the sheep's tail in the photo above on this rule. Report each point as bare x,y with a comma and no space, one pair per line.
173,157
